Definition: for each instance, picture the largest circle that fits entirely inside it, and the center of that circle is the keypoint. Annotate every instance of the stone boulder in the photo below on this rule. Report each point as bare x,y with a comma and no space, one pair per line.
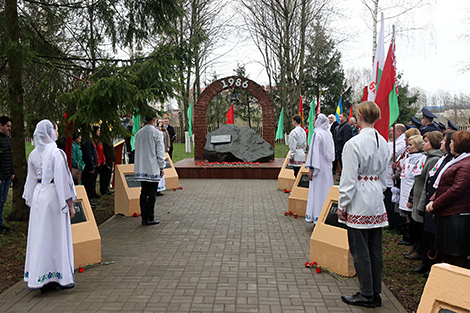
246,145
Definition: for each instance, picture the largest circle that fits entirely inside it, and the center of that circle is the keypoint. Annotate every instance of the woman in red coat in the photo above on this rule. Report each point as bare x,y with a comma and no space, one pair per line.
451,203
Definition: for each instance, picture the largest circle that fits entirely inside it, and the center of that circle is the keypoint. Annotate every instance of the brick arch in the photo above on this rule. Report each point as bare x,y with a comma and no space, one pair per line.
200,114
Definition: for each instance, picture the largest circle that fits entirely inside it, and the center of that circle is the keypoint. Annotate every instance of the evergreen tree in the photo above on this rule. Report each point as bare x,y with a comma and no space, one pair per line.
324,71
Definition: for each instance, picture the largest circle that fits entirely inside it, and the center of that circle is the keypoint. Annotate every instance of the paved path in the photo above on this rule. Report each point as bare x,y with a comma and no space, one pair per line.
222,246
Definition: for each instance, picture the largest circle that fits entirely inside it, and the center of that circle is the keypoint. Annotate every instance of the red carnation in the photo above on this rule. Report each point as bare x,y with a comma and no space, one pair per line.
307,264
286,213
81,269
135,214
174,189
181,188
295,215
319,269
290,213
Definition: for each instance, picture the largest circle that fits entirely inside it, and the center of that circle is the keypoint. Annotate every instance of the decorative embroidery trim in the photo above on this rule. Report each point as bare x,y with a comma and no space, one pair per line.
26,275
146,176
367,219
296,162
366,178
42,278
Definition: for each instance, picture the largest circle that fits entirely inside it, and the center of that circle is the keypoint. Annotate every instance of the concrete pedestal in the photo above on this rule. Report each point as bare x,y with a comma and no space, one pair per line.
329,245
299,193
446,290
85,235
286,177
171,176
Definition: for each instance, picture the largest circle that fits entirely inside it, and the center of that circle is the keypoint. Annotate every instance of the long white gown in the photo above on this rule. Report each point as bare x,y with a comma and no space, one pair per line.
321,155
49,184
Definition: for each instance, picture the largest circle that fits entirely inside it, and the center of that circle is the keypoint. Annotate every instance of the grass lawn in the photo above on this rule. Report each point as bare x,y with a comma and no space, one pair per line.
280,151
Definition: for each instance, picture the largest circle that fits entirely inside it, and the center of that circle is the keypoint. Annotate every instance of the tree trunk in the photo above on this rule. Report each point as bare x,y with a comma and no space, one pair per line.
15,98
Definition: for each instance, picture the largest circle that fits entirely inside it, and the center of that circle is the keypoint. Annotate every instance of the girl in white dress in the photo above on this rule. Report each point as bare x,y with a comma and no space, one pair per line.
321,155
49,192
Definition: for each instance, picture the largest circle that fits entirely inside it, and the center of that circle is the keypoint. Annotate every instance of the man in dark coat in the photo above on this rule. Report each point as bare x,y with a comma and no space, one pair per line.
172,133
343,134
7,171
107,169
91,160
427,121
333,127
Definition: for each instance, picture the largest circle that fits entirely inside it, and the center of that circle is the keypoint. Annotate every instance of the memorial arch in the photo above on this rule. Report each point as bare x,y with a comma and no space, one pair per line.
232,82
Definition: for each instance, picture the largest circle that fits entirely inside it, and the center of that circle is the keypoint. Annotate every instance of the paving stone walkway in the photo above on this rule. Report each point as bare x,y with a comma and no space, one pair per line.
221,246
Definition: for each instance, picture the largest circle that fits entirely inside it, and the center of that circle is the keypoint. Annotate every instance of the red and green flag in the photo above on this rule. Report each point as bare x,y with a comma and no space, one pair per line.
387,94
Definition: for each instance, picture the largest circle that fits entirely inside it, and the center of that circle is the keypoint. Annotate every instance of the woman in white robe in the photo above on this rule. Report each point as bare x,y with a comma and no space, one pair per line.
321,155
49,192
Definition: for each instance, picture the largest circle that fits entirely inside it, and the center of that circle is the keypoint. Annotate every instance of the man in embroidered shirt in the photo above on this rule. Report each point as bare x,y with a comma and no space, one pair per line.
361,206
297,144
149,166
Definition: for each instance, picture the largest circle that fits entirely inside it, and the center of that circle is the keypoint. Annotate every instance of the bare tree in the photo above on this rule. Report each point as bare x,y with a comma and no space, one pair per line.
280,30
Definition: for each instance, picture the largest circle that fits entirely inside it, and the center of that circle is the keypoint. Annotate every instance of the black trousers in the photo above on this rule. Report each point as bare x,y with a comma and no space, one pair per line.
87,181
395,221
366,249
105,177
147,200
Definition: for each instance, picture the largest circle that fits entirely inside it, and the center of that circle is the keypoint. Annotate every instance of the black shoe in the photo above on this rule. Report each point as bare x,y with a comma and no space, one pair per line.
422,268
404,242
159,194
148,223
67,287
377,300
360,300
49,287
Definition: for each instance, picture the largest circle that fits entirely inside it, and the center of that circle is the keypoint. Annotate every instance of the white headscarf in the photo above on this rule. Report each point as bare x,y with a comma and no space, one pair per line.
44,140
321,145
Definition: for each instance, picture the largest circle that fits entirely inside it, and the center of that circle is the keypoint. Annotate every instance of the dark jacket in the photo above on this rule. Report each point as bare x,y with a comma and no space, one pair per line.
89,155
333,127
6,157
452,196
344,134
172,133
429,128
109,154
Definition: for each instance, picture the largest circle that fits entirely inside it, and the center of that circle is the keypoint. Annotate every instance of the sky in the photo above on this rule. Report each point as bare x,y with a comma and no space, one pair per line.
431,58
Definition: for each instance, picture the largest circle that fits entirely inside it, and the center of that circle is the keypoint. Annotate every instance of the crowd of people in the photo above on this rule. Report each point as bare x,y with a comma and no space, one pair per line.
416,184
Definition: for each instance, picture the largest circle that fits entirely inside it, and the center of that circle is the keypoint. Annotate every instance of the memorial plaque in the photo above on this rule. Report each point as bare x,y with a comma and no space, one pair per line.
332,217
220,139
80,216
131,182
303,182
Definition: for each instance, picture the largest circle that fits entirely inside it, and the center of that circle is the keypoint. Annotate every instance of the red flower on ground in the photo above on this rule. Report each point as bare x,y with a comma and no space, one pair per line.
135,214
318,269
286,213
181,188
307,264
295,215
81,269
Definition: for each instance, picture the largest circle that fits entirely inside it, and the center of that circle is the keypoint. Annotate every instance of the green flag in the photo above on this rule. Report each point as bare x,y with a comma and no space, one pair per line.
135,129
280,126
190,121
311,115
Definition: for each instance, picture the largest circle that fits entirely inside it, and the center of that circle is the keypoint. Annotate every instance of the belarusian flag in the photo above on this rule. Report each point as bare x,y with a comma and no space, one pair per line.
378,66
387,95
